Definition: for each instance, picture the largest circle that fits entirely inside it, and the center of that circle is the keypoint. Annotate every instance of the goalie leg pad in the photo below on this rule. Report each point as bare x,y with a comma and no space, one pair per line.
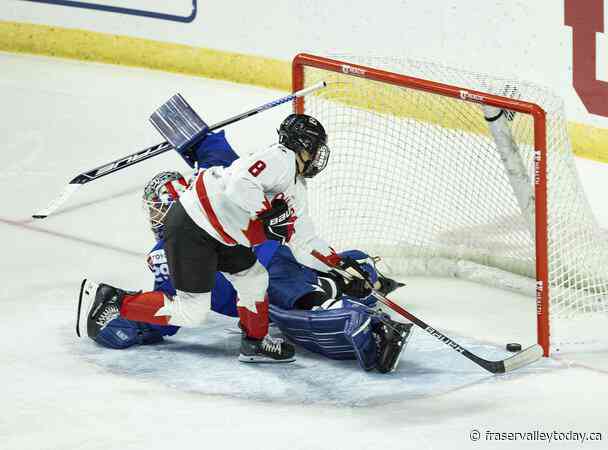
340,333
318,331
391,338
359,331
122,333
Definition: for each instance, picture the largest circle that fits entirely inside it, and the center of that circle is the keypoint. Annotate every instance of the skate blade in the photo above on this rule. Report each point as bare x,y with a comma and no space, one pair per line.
233,330
263,360
86,298
237,330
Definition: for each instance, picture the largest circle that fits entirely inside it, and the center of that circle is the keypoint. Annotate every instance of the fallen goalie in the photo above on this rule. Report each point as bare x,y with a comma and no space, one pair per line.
316,310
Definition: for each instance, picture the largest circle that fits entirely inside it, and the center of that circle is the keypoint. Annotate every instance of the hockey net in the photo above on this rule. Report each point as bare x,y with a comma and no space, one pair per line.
419,176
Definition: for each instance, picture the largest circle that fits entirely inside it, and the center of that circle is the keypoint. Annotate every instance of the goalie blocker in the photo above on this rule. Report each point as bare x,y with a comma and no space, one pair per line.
179,124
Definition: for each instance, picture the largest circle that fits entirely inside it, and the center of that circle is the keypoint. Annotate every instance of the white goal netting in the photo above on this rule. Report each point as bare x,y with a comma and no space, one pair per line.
426,182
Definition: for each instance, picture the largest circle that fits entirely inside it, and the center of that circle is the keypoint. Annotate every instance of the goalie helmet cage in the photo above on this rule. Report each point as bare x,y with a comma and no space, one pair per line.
422,179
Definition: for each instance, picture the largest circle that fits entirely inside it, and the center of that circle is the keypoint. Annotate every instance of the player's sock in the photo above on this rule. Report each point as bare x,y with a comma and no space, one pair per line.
143,306
254,324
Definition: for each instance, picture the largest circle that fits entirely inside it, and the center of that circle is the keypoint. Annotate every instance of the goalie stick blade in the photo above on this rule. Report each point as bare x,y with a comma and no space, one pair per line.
60,200
523,358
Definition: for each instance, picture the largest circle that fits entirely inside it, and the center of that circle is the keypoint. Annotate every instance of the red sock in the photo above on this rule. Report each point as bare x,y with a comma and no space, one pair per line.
141,307
255,325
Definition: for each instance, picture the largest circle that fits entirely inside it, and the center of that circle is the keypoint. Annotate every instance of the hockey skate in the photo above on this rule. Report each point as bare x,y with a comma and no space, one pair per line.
268,350
99,304
391,339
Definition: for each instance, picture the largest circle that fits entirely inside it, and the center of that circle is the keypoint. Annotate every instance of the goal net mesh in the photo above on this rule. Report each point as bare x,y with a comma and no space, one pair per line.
417,178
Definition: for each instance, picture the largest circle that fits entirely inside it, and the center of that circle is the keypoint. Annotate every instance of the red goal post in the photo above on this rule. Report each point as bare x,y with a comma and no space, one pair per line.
302,61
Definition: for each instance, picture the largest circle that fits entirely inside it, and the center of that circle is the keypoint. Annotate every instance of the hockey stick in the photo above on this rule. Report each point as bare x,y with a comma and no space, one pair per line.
151,152
521,359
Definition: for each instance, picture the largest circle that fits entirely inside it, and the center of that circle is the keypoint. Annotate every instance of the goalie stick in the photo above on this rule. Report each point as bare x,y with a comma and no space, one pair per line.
150,152
521,359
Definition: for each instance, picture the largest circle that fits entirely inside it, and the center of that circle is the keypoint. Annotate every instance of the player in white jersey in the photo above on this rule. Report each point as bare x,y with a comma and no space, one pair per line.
223,213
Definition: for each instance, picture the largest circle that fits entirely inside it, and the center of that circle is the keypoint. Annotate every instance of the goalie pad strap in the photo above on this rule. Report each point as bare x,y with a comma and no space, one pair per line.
329,286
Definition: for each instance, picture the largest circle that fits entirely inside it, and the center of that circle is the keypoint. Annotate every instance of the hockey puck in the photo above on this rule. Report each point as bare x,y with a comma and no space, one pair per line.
514,347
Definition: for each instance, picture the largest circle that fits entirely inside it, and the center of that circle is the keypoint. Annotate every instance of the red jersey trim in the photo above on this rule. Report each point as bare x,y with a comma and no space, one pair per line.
201,191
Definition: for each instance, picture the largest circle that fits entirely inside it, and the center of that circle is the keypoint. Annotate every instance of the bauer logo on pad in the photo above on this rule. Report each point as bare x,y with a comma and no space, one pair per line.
178,123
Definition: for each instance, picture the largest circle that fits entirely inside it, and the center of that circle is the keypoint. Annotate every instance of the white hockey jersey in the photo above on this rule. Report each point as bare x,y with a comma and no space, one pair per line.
225,202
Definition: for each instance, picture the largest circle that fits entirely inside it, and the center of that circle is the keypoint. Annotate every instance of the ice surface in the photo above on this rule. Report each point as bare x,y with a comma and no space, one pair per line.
59,392
203,361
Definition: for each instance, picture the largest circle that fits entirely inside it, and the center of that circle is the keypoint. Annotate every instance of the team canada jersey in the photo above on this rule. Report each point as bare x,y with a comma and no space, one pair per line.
225,202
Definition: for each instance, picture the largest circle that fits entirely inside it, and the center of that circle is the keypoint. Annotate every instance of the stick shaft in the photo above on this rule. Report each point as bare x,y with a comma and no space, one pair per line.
157,149
521,359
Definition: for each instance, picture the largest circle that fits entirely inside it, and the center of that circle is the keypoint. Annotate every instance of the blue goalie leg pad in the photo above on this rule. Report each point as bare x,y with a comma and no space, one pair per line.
121,333
341,333
359,331
320,331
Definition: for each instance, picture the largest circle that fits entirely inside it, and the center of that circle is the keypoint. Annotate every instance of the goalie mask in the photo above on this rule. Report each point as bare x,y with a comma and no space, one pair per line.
159,194
302,133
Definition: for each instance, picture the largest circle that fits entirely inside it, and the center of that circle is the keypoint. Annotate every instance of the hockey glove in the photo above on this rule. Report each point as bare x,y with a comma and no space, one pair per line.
188,155
359,285
191,154
278,221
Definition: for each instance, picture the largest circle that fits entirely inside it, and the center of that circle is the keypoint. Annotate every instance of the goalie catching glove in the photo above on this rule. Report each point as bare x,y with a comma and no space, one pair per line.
278,221
358,285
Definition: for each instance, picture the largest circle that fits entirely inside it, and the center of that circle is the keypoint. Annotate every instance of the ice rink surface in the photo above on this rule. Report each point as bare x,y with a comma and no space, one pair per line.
58,392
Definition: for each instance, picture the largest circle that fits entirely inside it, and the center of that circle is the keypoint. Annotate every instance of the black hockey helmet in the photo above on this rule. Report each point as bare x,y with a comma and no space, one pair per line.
303,133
